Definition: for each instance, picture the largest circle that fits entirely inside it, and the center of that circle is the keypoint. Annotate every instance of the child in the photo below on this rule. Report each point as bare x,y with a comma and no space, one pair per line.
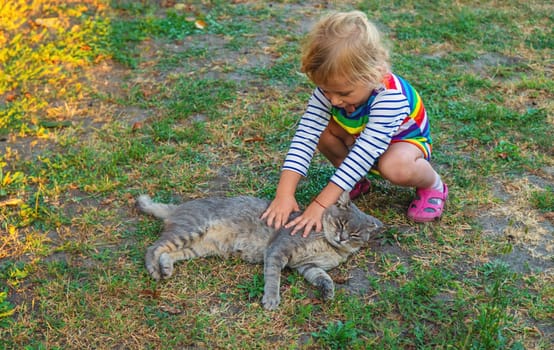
360,116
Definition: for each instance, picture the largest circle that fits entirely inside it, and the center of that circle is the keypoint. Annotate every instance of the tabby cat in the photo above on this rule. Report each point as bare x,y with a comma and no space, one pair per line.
223,226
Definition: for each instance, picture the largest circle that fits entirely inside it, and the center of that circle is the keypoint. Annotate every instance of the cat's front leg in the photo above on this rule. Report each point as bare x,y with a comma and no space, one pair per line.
319,278
273,264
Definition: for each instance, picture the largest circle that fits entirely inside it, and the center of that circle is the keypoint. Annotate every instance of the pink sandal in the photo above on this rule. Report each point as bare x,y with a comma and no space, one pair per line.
361,187
428,204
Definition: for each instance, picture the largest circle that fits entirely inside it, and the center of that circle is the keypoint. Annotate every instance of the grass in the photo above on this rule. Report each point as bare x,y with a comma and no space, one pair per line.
103,100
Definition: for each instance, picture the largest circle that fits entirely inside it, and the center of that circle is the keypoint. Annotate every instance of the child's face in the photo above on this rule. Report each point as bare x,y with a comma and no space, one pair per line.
346,95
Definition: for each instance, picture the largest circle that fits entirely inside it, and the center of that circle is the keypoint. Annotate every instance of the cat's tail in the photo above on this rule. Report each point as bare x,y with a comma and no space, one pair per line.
159,210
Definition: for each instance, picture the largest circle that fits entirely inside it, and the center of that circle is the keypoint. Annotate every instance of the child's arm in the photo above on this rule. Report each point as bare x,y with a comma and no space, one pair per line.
311,217
388,111
305,140
298,159
278,212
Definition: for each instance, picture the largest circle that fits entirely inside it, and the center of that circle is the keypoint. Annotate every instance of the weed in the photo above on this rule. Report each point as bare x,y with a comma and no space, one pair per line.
494,320
303,314
6,309
254,289
338,335
544,199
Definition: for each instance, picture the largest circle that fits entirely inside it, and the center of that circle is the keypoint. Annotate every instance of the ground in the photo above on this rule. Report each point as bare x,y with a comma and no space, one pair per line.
91,224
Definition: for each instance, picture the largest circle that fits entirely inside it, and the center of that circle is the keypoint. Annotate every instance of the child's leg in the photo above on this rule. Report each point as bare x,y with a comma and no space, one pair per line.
404,164
334,143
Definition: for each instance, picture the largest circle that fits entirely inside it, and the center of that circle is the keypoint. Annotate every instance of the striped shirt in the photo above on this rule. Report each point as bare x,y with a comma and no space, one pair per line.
394,111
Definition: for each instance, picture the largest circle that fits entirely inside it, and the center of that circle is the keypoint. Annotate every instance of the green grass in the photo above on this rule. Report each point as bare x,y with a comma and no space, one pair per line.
103,100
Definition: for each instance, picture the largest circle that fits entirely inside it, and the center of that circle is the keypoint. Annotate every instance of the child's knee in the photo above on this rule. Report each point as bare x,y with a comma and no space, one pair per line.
325,141
399,170
398,175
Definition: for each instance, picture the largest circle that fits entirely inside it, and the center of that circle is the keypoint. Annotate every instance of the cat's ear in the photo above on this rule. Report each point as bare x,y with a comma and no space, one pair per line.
344,200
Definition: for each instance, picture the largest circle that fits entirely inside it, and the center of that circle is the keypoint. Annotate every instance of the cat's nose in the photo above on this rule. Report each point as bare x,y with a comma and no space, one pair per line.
344,236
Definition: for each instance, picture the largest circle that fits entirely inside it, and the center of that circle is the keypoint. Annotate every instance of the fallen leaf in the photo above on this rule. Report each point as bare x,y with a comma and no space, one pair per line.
170,309
167,3
341,280
52,22
254,139
147,92
108,201
200,24
311,301
99,58
11,202
152,293
136,126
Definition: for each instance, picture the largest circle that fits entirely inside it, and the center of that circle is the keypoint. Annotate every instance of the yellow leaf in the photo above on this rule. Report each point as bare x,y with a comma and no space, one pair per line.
6,179
200,24
7,313
52,22
11,202
12,230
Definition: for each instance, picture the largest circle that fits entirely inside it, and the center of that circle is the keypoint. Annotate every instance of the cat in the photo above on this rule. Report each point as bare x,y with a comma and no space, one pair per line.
224,226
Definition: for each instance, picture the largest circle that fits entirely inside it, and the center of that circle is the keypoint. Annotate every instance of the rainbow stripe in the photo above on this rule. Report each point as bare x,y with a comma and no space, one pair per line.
354,123
418,114
416,125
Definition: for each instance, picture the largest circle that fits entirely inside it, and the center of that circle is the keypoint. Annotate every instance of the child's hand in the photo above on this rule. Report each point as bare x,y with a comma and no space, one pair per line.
308,220
278,212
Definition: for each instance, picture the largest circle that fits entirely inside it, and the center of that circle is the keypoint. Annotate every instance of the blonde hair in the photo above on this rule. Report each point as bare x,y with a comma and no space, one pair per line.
346,45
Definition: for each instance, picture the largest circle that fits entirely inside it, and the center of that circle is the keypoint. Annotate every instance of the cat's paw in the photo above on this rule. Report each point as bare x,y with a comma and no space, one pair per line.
166,265
152,263
271,302
327,288
153,271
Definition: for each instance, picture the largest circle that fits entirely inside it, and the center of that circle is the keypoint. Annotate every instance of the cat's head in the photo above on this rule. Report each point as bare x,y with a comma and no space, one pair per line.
346,226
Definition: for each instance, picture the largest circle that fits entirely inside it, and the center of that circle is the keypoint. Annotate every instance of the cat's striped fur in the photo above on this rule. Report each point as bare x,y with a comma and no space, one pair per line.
223,226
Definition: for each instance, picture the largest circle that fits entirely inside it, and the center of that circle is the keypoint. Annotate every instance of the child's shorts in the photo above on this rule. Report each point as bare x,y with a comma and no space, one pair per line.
420,142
